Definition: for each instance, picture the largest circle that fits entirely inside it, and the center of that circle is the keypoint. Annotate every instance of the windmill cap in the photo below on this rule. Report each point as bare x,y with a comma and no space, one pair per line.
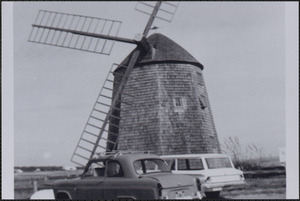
163,50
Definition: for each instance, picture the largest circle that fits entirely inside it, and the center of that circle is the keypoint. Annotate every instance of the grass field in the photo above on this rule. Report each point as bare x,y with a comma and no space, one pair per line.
24,182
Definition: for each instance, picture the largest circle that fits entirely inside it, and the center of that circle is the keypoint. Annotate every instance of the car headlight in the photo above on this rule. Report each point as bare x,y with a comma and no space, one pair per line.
208,180
242,177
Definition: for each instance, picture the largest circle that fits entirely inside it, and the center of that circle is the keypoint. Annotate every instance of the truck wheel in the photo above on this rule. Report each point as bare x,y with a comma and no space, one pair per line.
62,196
214,194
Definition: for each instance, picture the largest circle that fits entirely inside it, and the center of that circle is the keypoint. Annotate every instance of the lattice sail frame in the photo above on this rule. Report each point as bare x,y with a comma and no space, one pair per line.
63,30
82,154
92,129
96,35
165,12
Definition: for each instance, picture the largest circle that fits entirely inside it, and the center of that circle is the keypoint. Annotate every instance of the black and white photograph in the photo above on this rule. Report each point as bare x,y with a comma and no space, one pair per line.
150,100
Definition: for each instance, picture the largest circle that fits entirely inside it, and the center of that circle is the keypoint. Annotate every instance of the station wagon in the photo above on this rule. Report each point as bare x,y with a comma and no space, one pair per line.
215,171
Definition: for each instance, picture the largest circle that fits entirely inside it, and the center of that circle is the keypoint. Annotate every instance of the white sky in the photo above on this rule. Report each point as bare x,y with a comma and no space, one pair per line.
245,48
241,46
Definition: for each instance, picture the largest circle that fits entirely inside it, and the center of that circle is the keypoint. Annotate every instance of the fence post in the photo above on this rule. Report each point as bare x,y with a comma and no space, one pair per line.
35,186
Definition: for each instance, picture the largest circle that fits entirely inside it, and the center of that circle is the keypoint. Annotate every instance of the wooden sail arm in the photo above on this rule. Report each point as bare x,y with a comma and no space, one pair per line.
95,35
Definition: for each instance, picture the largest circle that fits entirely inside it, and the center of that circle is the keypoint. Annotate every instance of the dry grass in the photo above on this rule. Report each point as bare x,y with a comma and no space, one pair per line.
256,188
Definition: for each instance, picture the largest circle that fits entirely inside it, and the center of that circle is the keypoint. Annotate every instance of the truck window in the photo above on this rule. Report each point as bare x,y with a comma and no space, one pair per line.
146,166
114,169
96,169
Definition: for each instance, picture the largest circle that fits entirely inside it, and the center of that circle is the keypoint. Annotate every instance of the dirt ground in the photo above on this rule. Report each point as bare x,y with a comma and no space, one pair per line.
260,188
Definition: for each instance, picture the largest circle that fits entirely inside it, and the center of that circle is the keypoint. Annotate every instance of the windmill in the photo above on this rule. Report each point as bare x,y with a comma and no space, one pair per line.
97,35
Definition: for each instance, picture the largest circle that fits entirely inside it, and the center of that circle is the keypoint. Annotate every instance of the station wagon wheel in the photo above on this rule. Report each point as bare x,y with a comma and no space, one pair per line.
214,194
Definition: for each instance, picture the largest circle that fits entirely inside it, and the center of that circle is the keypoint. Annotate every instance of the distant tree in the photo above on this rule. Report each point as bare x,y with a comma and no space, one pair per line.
249,157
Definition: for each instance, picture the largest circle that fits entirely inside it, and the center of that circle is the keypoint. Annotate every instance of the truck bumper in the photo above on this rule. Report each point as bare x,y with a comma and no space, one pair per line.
219,186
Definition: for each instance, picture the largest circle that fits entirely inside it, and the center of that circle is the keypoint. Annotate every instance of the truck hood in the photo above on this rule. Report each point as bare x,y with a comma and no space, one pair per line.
169,180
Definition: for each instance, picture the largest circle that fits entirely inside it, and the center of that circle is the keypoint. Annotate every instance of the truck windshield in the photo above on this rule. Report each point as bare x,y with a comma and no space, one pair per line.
146,166
215,163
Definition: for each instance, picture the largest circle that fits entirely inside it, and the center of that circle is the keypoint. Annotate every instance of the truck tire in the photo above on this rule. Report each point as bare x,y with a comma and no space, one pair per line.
213,194
62,196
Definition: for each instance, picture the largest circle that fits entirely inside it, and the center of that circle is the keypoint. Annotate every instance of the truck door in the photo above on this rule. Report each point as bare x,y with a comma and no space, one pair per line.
91,185
116,184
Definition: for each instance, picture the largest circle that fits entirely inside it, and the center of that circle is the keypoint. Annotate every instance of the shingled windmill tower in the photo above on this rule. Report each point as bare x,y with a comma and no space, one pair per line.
155,100
171,113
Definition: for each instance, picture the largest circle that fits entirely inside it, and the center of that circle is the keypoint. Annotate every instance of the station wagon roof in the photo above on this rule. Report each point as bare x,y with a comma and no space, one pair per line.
194,156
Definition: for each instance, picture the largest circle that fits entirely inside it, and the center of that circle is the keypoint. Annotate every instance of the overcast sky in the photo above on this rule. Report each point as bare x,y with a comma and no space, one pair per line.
241,46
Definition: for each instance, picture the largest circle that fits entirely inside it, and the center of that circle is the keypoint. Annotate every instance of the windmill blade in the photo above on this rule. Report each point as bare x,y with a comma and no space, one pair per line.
103,131
78,32
88,145
165,12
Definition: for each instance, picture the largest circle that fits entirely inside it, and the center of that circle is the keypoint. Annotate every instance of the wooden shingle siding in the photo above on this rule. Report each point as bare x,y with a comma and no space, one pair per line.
155,123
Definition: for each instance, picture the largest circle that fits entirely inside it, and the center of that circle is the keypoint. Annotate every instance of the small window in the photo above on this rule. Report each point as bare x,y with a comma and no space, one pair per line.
200,80
178,102
202,102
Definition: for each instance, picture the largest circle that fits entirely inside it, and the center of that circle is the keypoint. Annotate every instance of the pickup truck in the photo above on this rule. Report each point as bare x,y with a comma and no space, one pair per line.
127,176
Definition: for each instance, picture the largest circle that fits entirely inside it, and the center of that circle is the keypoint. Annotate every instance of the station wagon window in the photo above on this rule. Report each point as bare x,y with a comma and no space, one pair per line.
196,164
182,164
215,163
190,164
146,166
171,163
